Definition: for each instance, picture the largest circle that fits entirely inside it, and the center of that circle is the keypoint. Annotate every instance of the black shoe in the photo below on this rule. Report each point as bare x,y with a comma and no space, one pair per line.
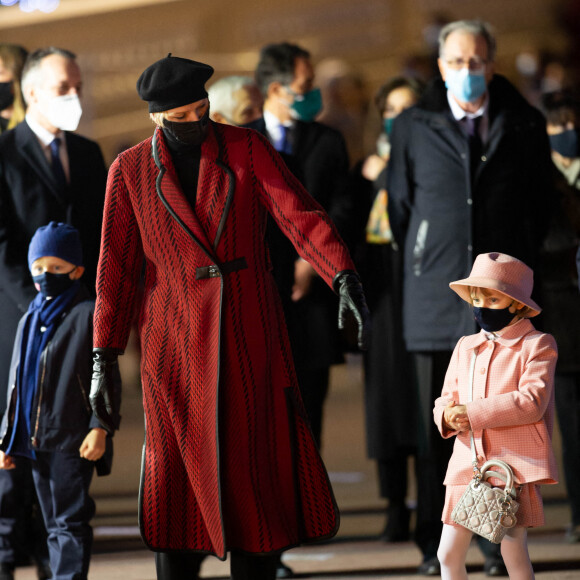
283,571
573,534
430,567
494,567
397,528
43,572
6,572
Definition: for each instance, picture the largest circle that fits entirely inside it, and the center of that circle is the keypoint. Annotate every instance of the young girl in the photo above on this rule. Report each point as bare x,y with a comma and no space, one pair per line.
511,411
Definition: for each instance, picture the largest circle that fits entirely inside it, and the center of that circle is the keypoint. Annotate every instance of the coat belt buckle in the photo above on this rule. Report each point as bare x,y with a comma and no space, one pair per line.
213,272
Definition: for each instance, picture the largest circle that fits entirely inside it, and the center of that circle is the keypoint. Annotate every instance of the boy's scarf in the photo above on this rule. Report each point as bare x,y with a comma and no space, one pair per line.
41,323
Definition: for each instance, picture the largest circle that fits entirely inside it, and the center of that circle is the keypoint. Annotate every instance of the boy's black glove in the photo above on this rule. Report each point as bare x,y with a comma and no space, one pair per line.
102,395
348,286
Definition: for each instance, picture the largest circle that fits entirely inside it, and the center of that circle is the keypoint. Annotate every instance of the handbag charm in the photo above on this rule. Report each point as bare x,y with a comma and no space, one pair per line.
485,510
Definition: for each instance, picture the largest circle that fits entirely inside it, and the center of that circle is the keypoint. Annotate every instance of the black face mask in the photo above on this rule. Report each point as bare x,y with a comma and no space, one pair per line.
566,143
51,285
493,319
188,132
6,95
256,124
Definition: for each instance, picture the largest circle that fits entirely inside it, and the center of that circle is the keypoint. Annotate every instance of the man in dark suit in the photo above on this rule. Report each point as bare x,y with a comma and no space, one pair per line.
47,174
317,156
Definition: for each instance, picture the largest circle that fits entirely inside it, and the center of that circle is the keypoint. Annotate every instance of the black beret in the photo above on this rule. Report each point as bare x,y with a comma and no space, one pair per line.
173,82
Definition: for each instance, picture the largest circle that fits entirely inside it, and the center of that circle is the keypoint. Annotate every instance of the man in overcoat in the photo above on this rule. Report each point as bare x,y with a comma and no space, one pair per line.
229,463
469,173
41,182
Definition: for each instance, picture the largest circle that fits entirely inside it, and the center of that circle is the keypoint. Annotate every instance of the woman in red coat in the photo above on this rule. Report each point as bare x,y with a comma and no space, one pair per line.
229,462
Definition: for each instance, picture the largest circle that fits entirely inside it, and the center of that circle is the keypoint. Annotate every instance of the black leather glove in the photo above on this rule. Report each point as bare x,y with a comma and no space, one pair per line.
348,286
102,394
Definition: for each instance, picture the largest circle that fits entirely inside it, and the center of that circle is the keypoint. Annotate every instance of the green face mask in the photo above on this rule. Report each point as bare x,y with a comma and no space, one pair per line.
388,126
305,107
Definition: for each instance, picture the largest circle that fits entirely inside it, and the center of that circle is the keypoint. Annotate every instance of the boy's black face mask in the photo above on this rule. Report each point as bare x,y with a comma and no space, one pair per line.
51,285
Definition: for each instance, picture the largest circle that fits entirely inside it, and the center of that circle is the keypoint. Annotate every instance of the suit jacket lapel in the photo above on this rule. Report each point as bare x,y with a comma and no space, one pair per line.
30,149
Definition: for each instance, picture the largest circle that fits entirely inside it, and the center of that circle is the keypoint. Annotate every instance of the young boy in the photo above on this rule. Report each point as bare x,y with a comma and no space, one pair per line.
48,417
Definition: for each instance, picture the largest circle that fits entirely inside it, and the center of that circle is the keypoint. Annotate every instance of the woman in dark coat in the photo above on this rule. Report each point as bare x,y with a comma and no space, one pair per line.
229,461
388,378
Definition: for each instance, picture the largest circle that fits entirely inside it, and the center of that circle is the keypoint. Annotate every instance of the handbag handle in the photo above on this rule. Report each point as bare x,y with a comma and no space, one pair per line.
478,473
507,477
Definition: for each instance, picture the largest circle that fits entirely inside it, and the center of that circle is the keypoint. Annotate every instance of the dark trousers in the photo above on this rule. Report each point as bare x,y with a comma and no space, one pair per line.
62,483
22,531
313,385
183,566
567,387
433,454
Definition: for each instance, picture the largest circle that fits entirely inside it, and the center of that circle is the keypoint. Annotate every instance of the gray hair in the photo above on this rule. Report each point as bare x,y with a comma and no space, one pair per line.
475,27
221,94
31,70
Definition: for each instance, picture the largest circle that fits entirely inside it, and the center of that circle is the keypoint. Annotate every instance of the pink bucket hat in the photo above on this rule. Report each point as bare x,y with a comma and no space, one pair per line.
503,273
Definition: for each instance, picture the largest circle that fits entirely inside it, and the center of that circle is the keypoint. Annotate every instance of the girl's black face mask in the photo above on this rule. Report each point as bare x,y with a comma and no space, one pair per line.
187,132
493,319
51,285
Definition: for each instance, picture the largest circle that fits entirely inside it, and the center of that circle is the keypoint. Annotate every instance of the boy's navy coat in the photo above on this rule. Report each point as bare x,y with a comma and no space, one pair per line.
61,416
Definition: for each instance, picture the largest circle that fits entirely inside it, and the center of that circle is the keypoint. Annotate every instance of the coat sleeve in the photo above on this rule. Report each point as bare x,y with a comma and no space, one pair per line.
399,178
302,220
450,392
14,273
529,402
120,265
540,198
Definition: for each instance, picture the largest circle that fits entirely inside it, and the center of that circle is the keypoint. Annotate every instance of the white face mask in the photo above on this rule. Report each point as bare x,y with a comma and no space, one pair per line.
64,112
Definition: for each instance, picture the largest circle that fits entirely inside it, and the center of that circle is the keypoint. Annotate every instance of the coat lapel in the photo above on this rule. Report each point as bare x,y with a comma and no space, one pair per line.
216,185
171,194
30,149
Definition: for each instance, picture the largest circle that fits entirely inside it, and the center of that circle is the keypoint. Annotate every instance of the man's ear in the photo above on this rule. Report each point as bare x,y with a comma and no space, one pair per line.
274,89
489,71
441,68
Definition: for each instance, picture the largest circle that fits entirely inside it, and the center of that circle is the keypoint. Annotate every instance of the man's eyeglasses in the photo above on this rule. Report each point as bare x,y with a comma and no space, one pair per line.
475,63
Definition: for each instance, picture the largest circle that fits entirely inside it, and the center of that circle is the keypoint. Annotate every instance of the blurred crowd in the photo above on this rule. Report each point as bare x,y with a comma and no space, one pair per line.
464,160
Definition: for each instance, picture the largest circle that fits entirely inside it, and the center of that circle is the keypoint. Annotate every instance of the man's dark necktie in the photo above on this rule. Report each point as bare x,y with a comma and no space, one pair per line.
57,168
285,145
475,144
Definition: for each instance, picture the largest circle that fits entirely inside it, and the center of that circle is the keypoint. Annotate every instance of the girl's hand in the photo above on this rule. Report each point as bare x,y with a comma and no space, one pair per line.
455,417
94,445
6,462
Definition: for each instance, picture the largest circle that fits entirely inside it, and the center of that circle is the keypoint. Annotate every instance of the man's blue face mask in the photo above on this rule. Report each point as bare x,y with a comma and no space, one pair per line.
465,85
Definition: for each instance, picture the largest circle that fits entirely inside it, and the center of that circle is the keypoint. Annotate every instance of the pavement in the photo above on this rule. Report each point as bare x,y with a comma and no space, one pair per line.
356,552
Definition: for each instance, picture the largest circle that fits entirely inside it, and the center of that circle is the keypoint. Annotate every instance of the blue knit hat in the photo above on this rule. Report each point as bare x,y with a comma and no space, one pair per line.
58,240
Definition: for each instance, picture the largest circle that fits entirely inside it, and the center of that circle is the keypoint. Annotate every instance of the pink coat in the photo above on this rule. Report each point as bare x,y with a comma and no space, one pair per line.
512,412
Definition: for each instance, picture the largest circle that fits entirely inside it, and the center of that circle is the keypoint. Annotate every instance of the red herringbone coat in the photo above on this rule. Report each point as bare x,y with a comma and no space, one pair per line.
229,461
